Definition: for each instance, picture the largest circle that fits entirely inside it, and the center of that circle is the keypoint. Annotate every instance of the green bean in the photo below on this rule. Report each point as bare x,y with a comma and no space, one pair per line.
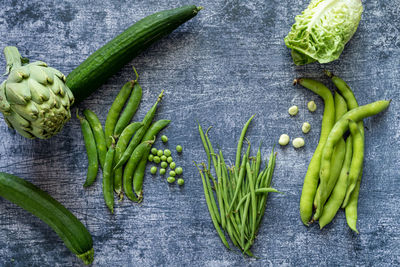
211,194
123,141
130,167
220,197
336,162
140,133
311,179
138,175
239,183
258,161
205,145
211,210
98,133
351,207
107,177
342,126
240,143
356,161
91,150
130,108
253,199
339,192
244,218
115,110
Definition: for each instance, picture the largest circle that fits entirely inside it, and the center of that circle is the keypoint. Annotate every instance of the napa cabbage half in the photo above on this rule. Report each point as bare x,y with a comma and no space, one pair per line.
322,30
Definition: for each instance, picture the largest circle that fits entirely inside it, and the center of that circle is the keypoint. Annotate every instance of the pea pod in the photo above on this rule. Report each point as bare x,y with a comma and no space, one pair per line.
138,176
351,207
123,141
339,192
107,177
97,129
356,161
91,151
342,126
140,133
131,107
311,179
115,110
337,160
130,168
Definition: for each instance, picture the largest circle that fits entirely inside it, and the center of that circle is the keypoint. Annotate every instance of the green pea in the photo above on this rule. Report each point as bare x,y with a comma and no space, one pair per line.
153,170
169,159
178,170
160,153
162,171
164,165
163,158
154,151
156,159
172,173
151,157
179,148
181,181
170,180
164,138
167,152
172,165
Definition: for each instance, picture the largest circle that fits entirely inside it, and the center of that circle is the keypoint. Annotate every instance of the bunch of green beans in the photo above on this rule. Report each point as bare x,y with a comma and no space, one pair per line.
334,174
123,147
237,198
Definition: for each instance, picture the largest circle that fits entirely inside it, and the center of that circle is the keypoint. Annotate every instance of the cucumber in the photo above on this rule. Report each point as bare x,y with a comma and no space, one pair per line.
26,195
106,61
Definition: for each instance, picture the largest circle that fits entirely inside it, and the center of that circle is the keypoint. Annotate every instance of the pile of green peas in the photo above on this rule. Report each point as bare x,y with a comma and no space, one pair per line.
164,158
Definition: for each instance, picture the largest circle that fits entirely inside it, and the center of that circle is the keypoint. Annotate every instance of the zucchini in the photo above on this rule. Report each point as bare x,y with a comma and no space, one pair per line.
106,61
26,195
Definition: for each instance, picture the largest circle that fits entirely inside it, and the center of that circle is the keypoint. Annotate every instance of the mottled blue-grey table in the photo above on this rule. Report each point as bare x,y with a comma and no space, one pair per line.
226,64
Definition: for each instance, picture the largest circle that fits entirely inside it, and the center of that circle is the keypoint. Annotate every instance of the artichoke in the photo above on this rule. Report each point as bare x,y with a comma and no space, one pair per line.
34,99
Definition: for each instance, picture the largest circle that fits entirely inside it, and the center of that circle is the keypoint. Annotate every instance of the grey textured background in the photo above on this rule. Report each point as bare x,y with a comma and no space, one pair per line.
226,64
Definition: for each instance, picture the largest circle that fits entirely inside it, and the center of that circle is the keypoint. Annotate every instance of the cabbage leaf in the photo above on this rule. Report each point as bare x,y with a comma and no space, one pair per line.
322,30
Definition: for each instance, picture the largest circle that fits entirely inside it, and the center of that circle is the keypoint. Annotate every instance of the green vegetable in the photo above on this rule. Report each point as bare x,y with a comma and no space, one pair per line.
107,177
172,165
312,176
34,99
153,170
160,153
150,158
156,159
164,164
181,181
164,138
24,194
322,30
106,61
178,170
179,148
167,152
154,151
172,173
162,171
170,180
115,110
91,151
123,141
98,133
163,158
131,107
169,159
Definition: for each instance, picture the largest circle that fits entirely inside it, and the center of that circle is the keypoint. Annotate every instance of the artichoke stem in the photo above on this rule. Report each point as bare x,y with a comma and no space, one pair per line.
13,58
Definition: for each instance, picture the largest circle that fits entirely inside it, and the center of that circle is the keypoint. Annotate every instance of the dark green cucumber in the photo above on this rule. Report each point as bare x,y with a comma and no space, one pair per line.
26,195
106,61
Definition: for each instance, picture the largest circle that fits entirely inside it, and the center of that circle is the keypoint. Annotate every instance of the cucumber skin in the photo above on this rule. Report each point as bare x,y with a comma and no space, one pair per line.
29,197
107,60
